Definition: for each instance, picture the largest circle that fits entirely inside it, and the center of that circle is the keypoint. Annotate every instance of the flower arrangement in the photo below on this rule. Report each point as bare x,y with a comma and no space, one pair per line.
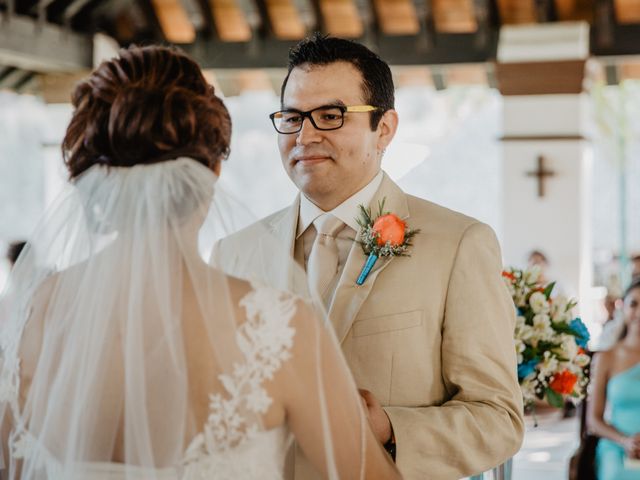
549,341
385,235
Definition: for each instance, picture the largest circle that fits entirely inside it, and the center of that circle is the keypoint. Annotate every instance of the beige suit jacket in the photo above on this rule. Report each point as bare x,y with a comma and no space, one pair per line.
430,335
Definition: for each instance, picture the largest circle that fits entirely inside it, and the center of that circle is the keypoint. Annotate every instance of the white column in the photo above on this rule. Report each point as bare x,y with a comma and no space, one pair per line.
558,224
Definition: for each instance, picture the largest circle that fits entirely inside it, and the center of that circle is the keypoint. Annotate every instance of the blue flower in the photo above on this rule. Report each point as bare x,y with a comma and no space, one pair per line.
526,368
582,334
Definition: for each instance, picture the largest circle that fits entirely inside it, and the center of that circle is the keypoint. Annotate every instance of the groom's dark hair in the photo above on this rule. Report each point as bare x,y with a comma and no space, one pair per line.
377,82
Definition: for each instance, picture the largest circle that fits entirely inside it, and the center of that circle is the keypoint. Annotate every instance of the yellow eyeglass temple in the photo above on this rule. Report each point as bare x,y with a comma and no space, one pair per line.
361,108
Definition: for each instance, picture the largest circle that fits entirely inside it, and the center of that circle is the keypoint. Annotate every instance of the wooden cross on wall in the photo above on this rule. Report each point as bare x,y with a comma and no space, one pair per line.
541,174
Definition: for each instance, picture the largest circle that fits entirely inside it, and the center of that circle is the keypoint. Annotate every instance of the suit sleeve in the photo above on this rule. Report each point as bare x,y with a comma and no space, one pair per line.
481,424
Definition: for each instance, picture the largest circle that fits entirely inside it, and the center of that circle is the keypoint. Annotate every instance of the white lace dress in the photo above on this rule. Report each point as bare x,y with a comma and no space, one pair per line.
228,447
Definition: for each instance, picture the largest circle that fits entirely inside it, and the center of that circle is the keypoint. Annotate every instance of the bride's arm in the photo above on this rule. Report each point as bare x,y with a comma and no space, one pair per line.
324,409
30,340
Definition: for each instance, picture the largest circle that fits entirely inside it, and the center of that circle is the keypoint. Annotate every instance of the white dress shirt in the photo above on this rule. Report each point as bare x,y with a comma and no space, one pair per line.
347,211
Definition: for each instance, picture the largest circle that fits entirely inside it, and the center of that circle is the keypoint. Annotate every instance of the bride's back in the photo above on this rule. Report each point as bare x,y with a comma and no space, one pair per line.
203,366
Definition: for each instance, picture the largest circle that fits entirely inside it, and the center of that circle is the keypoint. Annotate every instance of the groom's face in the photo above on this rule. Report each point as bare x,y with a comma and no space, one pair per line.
329,166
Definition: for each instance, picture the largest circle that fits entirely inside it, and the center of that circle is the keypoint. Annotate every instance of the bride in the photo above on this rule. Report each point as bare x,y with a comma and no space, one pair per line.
125,356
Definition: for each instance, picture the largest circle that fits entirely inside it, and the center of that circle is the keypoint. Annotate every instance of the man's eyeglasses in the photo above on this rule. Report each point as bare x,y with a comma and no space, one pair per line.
327,117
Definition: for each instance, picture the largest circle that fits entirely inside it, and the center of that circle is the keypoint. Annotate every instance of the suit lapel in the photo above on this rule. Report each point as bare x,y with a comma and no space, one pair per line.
349,297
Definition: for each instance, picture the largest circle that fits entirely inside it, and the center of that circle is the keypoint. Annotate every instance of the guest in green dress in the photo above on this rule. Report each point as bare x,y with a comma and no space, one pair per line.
614,407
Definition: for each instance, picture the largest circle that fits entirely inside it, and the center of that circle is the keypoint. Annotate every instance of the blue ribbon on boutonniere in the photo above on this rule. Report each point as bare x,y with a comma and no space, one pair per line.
385,235
366,270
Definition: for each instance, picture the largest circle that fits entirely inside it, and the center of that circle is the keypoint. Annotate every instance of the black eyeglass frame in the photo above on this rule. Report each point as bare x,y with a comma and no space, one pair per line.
343,108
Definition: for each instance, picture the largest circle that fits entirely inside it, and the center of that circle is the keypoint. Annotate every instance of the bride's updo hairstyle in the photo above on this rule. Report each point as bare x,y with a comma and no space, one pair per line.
148,105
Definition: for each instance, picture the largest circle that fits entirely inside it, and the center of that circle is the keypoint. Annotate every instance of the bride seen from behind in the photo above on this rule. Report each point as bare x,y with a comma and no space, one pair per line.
125,355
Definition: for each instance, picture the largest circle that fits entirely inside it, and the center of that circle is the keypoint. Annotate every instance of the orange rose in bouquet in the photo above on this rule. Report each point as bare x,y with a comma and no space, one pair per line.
564,382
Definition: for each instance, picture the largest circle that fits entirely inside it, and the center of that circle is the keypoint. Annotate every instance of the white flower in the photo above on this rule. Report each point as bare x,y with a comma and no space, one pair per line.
531,275
519,297
581,360
568,346
559,312
528,387
539,303
542,322
510,287
520,347
548,366
541,329
525,333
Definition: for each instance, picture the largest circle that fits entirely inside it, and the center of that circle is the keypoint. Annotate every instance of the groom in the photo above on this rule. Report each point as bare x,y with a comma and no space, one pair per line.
428,337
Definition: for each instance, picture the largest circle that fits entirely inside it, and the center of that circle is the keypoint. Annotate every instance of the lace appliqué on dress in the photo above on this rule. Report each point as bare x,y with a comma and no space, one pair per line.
231,446
265,340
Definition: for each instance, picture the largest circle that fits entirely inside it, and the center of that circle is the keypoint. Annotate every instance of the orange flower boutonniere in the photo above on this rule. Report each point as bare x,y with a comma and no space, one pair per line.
386,235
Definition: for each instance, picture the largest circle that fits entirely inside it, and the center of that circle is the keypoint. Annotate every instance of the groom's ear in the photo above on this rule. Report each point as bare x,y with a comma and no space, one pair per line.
387,128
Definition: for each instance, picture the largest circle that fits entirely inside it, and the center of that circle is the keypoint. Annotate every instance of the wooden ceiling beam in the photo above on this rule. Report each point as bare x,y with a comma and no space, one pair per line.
174,21
230,21
454,16
308,14
514,12
574,10
285,20
341,18
627,11
397,17
565,9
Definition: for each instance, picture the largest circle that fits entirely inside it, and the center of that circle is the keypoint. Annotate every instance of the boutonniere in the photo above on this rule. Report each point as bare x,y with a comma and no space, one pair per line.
386,235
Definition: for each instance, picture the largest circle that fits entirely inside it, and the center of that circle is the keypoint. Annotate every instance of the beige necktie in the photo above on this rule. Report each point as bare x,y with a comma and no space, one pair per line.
323,259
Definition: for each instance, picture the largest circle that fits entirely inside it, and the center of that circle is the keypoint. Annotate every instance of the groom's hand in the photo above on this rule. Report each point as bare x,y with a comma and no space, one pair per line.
378,418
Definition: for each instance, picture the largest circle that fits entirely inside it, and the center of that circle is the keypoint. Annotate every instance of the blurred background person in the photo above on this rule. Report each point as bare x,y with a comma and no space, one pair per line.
613,322
538,259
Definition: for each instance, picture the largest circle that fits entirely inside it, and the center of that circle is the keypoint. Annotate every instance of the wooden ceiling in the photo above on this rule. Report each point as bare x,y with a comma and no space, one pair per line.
253,34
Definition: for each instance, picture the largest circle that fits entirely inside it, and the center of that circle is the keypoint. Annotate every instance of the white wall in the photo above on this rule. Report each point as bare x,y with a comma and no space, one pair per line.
559,223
